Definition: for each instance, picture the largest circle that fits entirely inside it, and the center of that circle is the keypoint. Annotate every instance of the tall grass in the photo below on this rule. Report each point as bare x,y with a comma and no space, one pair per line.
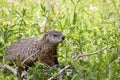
88,25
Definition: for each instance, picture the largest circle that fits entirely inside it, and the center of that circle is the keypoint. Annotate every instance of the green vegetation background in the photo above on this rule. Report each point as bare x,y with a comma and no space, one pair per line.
88,25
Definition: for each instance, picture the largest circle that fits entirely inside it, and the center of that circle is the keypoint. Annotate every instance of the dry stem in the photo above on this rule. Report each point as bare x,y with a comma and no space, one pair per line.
80,55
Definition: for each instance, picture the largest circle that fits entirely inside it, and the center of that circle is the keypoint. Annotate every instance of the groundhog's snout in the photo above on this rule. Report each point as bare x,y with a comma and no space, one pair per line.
63,37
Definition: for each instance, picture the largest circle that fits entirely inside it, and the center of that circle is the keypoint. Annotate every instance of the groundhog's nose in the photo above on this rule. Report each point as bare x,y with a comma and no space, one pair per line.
63,37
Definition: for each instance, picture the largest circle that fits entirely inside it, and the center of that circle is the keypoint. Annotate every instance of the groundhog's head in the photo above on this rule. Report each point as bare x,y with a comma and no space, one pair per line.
54,37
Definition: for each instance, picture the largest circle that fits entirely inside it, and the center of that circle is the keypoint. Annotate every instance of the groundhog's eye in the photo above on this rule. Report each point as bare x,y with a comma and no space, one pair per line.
55,35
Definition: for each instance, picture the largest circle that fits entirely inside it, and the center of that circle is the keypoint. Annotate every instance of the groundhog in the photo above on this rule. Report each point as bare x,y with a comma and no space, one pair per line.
45,49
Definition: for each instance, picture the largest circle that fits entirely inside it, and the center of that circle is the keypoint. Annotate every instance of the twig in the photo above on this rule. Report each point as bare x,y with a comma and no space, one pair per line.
47,4
23,74
18,70
66,67
88,54
14,71
46,19
43,24
30,56
20,66
81,55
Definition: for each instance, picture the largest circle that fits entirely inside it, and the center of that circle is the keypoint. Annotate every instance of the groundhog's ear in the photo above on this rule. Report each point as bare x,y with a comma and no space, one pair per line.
46,34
